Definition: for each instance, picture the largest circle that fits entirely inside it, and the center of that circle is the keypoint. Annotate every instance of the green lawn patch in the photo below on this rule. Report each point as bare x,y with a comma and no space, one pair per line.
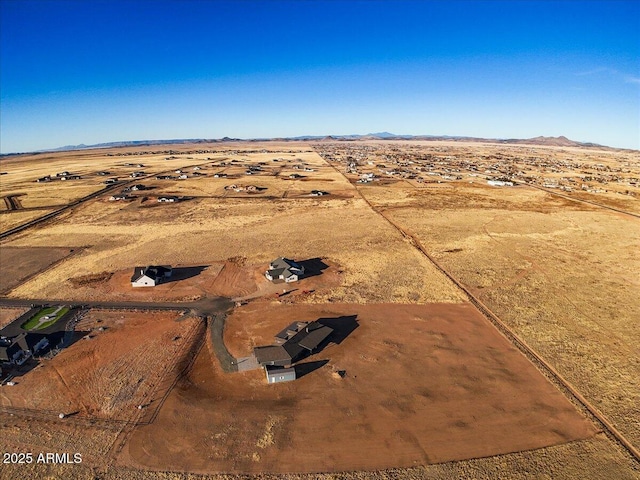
40,321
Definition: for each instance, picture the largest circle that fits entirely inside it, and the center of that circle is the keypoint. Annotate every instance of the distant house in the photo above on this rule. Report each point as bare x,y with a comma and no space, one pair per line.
284,269
500,183
150,276
168,199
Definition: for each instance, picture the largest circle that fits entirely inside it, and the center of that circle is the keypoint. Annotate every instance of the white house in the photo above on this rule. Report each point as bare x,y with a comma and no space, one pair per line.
284,269
500,183
150,276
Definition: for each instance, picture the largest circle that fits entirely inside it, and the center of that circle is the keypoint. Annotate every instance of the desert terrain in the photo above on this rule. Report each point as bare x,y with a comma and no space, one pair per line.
405,239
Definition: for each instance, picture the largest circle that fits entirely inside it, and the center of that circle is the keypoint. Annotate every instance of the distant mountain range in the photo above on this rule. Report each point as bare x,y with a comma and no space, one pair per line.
550,141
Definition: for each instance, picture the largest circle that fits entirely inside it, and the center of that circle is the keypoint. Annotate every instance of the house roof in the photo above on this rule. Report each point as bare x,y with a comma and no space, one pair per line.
315,337
290,330
307,336
284,263
140,272
276,272
152,271
272,354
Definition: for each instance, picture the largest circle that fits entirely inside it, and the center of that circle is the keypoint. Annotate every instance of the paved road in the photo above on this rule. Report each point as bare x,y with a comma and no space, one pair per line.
204,307
80,201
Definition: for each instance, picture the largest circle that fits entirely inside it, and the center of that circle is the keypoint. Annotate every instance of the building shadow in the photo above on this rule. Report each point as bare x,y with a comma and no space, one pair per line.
342,327
313,267
303,369
183,273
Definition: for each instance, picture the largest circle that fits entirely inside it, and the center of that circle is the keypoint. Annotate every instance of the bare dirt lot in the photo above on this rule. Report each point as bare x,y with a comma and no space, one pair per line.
108,374
423,384
19,264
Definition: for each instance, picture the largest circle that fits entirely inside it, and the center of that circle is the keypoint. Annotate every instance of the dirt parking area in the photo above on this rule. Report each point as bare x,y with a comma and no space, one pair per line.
410,385
119,361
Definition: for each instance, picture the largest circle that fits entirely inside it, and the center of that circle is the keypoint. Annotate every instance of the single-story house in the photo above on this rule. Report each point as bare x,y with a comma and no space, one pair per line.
150,276
300,338
168,199
284,269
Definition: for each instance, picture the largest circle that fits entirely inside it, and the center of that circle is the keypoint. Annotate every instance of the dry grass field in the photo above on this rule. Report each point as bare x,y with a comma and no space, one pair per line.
431,389
15,218
19,264
562,274
378,264
9,314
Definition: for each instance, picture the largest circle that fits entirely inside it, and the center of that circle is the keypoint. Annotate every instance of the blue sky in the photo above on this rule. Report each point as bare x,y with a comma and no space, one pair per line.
76,72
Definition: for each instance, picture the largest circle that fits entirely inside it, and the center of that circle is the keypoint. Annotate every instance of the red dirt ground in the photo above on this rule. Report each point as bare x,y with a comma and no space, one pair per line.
423,384
111,373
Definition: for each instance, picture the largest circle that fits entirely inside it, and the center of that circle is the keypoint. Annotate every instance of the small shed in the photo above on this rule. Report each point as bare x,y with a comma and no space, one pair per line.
277,375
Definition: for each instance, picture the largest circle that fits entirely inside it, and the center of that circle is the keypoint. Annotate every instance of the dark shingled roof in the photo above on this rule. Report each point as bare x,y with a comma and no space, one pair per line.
307,337
153,271
272,355
276,272
290,330
315,338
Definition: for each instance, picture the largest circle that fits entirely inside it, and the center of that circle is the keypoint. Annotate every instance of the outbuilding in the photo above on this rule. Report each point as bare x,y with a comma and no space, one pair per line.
277,375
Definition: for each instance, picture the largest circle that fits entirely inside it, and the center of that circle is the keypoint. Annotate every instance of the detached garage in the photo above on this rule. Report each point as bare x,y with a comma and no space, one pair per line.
276,375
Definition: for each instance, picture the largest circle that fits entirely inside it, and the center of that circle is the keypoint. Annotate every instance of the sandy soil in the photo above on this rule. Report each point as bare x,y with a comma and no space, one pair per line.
406,398
110,373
